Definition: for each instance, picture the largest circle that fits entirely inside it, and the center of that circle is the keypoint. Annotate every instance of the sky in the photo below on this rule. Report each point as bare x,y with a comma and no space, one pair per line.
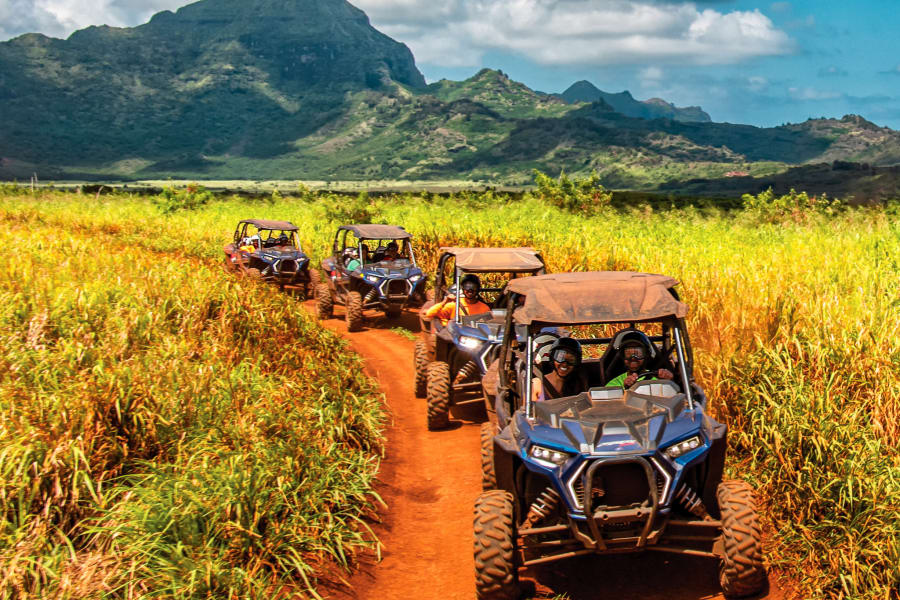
742,61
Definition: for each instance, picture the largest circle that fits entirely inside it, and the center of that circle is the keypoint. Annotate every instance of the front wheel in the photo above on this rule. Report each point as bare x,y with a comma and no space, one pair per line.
488,475
324,301
438,395
496,574
741,571
421,369
354,313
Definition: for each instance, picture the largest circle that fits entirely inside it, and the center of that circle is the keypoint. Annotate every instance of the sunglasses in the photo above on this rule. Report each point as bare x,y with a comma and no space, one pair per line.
563,357
469,289
634,356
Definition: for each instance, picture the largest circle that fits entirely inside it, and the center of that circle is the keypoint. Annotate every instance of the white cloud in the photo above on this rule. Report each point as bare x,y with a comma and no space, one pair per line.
573,32
59,18
757,83
808,93
460,32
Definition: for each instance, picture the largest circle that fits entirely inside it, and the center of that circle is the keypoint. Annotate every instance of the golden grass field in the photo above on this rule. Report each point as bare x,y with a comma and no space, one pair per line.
139,383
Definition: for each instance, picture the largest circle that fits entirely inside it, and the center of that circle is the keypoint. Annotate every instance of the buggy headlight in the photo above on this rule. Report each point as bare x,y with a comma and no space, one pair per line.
546,455
681,448
415,278
372,278
469,342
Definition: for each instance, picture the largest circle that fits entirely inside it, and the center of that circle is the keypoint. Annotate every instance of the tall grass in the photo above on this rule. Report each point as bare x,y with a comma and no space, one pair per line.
796,323
168,430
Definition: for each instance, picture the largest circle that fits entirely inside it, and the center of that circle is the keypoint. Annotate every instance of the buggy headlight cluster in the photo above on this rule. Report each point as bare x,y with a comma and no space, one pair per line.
415,278
372,278
469,342
546,455
681,448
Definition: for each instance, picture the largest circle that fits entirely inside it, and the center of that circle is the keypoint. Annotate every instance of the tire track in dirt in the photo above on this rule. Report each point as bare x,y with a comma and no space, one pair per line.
429,481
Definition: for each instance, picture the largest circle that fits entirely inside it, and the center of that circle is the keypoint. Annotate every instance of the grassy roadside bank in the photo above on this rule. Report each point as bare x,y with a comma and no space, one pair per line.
166,430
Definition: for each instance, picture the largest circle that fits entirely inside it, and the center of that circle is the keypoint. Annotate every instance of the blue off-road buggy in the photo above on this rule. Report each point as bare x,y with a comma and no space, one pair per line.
269,250
371,267
606,470
451,360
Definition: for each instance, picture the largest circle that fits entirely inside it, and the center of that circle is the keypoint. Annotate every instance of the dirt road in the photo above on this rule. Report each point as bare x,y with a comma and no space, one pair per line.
430,480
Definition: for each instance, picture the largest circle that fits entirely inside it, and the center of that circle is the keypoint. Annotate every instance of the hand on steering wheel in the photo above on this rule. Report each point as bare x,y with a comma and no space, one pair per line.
633,378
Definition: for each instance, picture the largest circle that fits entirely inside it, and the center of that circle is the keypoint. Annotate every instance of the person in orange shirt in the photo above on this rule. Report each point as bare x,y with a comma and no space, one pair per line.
469,304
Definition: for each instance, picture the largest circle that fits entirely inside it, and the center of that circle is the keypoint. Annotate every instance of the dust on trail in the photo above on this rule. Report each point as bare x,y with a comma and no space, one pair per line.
429,481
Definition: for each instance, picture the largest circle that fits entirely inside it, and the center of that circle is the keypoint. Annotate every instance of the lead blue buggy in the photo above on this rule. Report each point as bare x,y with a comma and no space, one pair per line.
607,470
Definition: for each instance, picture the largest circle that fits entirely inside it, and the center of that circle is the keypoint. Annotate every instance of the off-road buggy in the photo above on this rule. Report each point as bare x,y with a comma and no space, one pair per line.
450,361
608,470
362,277
269,250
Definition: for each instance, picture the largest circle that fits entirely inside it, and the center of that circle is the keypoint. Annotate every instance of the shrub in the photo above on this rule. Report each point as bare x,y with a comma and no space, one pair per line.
793,206
580,196
173,200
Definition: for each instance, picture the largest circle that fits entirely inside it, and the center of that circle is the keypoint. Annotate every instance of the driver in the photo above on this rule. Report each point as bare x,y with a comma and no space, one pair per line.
634,355
469,304
567,378
250,244
355,264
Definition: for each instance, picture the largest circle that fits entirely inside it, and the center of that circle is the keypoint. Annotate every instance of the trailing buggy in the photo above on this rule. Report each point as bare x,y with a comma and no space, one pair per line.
269,250
452,358
580,464
360,277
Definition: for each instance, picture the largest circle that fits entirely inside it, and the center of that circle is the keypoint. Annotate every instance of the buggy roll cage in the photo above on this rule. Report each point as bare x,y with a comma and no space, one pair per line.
458,271
285,228
340,243
681,347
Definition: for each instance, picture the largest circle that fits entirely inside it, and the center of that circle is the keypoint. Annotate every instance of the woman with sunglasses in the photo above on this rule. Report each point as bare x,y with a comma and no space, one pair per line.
634,355
565,377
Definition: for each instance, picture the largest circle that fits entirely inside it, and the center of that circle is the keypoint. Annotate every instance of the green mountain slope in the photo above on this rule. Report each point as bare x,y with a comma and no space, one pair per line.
307,89
217,77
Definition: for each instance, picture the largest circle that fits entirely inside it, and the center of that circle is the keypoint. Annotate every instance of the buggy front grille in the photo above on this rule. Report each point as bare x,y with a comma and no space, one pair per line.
617,484
397,287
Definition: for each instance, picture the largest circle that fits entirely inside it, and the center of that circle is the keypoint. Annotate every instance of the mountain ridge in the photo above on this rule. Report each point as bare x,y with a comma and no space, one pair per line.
625,103
222,89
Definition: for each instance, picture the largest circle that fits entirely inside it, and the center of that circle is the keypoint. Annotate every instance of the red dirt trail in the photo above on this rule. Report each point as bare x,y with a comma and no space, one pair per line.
429,481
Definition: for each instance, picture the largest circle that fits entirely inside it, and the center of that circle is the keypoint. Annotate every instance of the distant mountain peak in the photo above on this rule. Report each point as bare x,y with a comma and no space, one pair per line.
624,102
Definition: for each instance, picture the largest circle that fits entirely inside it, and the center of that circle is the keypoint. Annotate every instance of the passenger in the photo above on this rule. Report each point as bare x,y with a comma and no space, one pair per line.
634,355
469,304
566,377
355,264
392,252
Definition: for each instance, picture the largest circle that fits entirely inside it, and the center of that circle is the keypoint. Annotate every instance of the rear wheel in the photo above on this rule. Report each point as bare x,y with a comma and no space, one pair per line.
496,575
354,313
324,301
421,366
741,571
438,395
488,475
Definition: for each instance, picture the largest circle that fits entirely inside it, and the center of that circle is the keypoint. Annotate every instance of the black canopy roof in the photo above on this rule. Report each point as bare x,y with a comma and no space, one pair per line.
378,232
268,224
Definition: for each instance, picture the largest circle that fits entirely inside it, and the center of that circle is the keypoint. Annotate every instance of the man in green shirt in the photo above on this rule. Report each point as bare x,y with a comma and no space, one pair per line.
634,355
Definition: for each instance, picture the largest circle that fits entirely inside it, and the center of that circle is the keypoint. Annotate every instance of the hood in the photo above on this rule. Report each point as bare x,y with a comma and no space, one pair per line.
275,254
610,420
392,272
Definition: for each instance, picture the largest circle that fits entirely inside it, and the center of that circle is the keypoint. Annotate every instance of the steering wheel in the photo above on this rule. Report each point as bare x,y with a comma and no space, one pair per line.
643,374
